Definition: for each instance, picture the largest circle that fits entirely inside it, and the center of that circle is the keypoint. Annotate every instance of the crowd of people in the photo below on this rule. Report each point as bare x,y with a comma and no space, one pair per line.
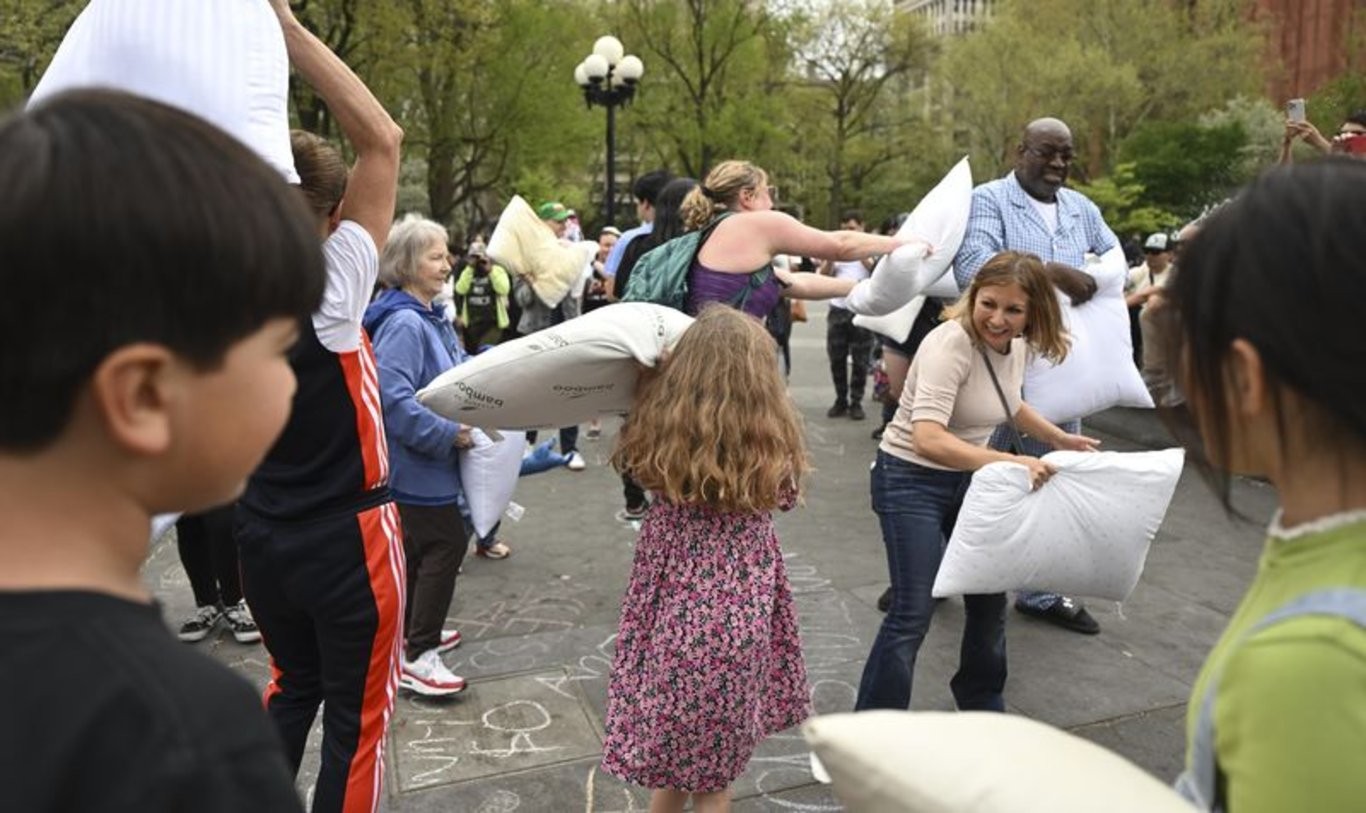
275,400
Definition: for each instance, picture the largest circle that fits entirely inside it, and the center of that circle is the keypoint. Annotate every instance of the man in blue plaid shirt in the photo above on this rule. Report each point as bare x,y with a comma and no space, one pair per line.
1029,210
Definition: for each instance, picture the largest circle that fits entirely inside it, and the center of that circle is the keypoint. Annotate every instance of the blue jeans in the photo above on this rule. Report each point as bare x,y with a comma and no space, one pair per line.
917,507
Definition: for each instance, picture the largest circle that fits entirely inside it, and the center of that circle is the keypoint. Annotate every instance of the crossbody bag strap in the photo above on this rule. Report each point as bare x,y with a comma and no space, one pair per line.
1005,405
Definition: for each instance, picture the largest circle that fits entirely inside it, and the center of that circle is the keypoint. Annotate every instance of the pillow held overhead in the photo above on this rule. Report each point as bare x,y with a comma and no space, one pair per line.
525,246
222,60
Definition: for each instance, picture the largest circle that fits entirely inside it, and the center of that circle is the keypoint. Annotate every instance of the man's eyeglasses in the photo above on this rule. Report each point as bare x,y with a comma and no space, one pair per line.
1050,153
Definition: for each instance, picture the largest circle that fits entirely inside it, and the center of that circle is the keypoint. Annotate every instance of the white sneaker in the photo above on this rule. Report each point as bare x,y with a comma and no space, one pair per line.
429,676
576,462
450,639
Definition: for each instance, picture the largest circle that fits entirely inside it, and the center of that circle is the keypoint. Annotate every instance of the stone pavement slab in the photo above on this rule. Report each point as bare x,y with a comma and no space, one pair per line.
539,629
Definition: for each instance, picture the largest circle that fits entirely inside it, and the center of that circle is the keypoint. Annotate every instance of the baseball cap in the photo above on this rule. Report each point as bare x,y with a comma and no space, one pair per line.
612,230
478,249
552,210
1157,241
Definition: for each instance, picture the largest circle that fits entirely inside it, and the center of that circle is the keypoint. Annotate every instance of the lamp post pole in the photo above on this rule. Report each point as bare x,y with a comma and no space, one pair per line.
609,79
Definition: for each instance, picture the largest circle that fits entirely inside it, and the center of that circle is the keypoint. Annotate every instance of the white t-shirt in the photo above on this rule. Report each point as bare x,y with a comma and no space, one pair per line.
1048,211
851,269
352,267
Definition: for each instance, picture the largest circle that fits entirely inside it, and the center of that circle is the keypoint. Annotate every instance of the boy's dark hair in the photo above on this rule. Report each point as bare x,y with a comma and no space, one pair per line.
852,214
1358,117
647,187
123,221
1279,266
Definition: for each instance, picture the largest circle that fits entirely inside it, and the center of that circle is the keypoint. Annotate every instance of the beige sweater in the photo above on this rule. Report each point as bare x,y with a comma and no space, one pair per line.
948,383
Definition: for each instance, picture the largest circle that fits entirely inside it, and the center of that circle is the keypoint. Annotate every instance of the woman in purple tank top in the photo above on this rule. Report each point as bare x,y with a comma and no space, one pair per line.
734,265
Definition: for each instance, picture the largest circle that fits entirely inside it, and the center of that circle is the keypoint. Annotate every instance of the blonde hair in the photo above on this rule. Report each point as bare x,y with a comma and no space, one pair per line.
408,241
1044,331
715,426
720,192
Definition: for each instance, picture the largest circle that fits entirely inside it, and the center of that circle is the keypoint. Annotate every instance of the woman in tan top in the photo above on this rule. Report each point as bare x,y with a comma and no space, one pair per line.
949,407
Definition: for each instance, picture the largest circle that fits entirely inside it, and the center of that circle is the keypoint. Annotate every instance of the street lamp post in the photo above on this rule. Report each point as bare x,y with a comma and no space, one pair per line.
609,79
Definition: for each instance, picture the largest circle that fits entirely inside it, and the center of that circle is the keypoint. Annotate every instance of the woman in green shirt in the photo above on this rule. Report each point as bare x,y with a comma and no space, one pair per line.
1273,363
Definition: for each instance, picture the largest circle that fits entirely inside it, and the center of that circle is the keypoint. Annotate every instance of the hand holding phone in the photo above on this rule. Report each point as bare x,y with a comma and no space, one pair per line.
1294,110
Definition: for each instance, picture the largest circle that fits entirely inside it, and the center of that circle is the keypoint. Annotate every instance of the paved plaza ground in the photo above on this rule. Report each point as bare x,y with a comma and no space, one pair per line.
539,627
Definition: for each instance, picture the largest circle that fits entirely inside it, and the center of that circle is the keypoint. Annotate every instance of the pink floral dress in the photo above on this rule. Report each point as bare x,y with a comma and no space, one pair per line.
708,659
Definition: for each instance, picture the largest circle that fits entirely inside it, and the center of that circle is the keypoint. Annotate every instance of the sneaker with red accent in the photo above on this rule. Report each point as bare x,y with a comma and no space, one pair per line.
429,676
450,639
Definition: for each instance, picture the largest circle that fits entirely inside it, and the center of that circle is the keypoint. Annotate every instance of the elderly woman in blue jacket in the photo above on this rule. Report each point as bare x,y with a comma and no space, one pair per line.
414,342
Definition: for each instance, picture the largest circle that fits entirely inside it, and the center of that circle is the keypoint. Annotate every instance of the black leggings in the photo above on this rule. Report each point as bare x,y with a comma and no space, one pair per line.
209,556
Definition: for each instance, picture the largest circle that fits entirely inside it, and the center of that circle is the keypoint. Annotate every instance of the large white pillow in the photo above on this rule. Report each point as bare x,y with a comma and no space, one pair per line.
488,475
559,376
895,325
941,218
525,246
1099,371
976,762
1084,532
223,60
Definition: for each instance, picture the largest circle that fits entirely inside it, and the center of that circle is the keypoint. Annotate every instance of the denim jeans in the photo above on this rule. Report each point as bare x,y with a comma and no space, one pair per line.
917,507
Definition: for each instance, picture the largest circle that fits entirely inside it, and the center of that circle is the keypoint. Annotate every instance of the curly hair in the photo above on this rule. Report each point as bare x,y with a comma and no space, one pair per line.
720,191
1044,331
715,426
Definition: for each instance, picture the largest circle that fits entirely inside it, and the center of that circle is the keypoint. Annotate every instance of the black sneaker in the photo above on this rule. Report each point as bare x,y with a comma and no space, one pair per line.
199,625
877,433
884,601
856,411
839,410
243,626
1065,613
629,514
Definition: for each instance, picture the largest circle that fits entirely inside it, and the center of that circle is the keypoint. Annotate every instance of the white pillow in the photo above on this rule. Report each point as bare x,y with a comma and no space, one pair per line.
977,762
1099,371
1084,532
941,218
560,376
161,523
488,475
895,325
524,245
223,60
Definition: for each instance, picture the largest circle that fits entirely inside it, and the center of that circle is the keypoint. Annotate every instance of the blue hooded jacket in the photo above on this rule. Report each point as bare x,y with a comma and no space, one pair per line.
414,344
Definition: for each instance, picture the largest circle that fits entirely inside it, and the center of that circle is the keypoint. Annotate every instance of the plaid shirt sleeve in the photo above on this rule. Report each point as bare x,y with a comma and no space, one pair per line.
1101,238
984,238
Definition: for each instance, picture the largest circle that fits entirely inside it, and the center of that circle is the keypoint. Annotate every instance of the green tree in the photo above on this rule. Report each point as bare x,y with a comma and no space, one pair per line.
1115,66
712,70
30,31
1184,167
857,66
1121,201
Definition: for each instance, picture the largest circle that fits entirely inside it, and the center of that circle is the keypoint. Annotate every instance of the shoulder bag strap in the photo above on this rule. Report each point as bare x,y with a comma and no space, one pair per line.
1005,405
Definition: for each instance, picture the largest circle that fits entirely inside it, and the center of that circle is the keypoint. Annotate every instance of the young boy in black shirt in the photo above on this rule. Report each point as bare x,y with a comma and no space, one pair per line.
154,273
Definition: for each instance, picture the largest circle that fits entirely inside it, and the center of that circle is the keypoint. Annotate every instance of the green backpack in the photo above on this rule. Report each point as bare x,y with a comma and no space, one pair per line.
661,274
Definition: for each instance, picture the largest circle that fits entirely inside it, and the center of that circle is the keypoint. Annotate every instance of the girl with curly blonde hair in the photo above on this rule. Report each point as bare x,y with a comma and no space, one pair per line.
708,661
